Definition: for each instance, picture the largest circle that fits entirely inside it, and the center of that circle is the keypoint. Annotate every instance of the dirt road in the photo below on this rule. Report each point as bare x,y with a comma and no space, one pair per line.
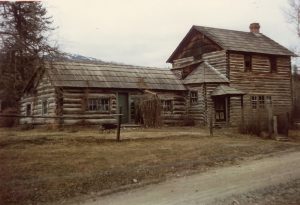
212,186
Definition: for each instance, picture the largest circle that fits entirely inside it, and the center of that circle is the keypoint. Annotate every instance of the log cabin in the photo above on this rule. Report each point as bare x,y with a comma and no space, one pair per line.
92,93
235,74
217,75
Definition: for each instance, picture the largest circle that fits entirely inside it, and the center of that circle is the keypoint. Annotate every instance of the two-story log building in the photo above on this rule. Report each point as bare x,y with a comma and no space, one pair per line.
224,74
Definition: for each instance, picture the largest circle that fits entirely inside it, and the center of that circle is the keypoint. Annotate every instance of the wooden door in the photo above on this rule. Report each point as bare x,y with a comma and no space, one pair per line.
123,102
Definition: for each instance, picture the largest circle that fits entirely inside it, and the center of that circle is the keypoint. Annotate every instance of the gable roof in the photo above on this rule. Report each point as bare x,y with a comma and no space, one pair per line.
239,41
112,76
205,73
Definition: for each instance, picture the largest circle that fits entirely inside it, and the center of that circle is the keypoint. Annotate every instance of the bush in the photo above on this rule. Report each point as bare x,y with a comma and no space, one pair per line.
256,125
8,121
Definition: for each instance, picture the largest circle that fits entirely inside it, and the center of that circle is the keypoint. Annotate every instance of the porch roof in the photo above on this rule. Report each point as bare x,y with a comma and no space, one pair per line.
226,90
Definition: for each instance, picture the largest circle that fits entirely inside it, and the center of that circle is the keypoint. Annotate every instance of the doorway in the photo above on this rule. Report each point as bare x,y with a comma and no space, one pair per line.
220,109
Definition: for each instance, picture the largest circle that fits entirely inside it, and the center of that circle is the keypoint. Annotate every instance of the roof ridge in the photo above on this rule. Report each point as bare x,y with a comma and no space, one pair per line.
223,29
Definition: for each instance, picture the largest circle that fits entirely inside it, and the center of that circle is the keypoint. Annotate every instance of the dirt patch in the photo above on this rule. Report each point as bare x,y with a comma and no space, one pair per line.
287,193
47,166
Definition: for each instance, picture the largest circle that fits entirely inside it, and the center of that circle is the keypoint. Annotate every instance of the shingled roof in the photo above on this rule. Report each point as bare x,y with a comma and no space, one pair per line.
205,73
222,90
112,76
244,41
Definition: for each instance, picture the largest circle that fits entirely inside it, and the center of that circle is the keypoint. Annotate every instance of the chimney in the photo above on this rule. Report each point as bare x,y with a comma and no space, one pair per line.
254,27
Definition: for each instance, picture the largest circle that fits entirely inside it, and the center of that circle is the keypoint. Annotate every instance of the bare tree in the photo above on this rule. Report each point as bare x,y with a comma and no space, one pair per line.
293,14
24,45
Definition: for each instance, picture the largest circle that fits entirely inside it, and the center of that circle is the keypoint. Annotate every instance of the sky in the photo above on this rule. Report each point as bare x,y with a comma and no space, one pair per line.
146,32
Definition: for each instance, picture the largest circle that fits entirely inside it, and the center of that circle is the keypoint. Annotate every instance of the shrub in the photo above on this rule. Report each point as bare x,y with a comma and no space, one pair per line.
8,121
256,125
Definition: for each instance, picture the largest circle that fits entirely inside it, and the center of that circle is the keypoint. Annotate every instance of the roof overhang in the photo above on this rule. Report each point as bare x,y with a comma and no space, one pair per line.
225,90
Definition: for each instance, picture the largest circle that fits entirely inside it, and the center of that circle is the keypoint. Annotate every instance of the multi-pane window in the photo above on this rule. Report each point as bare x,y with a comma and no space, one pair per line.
167,105
254,102
248,63
98,104
44,107
260,101
194,97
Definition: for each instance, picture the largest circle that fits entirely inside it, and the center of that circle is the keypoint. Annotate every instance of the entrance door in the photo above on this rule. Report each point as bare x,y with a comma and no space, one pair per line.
123,102
220,109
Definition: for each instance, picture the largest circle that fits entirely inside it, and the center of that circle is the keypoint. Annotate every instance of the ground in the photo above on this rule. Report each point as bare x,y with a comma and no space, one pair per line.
251,182
41,166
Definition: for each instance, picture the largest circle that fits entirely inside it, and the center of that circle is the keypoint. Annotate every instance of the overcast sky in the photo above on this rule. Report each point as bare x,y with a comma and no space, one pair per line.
145,32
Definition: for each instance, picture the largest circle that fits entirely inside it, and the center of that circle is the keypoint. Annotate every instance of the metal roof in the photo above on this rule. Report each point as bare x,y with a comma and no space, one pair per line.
226,90
205,73
70,74
244,41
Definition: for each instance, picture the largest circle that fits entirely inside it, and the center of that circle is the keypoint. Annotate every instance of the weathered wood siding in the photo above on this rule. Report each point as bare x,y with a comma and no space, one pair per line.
197,111
179,108
218,60
75,106
260,81
195,46
44,91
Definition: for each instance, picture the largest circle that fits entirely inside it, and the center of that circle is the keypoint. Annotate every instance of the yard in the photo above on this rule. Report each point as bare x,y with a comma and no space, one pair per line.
39,166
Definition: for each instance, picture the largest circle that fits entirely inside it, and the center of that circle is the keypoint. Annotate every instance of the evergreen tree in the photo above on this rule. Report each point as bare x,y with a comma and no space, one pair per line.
24,45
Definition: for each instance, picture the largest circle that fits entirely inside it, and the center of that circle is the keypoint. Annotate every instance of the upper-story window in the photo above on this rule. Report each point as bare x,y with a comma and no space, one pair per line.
273,64
248,63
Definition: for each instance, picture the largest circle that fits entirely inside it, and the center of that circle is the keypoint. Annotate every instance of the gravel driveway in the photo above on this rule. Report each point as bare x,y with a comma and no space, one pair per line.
248,182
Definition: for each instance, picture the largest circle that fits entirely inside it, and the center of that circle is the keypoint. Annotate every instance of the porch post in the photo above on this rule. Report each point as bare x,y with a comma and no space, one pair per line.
226,110
242,106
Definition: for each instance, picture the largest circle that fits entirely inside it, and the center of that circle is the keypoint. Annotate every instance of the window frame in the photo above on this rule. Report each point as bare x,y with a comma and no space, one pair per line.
247,58
193,98
28,112
45,107
167,108
101,105
260,101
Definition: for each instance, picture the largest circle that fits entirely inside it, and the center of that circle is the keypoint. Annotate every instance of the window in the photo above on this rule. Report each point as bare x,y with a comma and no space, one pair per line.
273,64
28,109
194,97
167,105
44,107
254,102
260,101
248,63
98,104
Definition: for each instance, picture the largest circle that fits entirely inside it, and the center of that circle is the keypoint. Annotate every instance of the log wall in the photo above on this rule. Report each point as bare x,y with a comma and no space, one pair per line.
197,111
260,81
43,91
218,60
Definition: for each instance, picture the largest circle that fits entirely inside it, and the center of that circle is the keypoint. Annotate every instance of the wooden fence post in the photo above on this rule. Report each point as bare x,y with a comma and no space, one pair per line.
211,132
119,125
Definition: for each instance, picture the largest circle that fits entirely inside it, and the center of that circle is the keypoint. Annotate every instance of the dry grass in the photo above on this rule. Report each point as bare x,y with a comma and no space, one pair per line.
41,166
